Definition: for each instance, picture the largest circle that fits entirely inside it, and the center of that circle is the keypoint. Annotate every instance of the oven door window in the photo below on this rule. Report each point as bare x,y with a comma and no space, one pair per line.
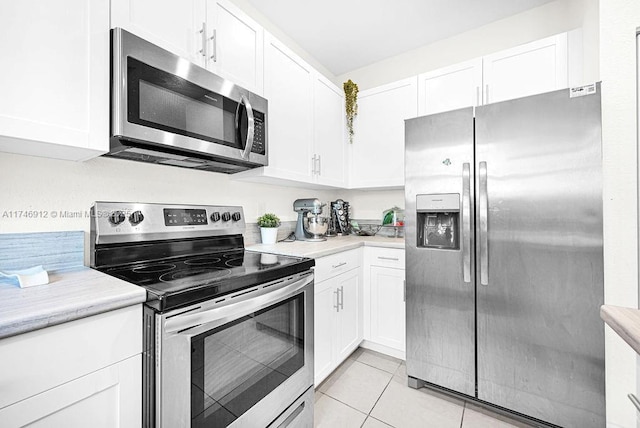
166,102
236,365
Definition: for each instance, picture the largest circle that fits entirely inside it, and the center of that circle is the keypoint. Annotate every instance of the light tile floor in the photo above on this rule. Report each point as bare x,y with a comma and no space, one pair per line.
369,390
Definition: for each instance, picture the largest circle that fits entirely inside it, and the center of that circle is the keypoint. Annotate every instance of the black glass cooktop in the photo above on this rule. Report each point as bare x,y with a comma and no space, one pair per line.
176,282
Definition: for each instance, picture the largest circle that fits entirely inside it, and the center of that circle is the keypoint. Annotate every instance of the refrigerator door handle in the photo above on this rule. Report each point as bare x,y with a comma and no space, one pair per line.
484,214
466,222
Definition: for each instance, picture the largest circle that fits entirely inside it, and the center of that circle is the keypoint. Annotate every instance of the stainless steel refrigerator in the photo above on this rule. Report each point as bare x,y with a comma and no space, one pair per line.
504,255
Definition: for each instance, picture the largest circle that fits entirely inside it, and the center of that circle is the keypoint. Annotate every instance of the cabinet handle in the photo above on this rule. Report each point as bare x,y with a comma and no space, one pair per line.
214,41
313,165
319,165
338,265
477,96
404,290
337,305
203,35
342,297
486,93
395,259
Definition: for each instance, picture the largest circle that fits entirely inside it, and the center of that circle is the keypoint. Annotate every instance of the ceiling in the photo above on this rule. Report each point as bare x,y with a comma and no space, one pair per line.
344,35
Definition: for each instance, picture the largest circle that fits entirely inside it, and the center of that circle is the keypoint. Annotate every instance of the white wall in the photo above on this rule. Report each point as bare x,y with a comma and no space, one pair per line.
619,20
48,185
549,19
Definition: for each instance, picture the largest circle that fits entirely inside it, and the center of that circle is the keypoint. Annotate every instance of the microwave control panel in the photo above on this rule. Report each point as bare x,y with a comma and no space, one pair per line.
259,133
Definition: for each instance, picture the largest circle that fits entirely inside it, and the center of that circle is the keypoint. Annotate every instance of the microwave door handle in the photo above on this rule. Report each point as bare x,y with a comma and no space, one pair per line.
250,125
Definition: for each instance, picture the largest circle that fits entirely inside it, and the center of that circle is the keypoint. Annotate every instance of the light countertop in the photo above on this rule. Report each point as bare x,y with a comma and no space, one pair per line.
332,245
625,322
70,295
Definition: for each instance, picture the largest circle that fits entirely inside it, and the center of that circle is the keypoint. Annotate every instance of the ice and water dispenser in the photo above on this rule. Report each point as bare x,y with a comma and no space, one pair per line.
438,216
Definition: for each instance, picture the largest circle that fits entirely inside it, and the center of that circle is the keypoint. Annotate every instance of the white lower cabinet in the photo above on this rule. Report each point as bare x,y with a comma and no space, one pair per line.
384,296
387,307
86,372
109,397
337,311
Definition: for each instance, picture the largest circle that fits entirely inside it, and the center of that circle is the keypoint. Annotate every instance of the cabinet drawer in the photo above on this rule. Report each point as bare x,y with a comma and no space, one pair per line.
335,264
388,257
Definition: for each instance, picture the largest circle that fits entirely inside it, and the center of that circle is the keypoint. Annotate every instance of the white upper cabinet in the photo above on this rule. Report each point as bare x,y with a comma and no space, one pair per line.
288,85
529,69
450,88
54,89
305,123
235,45
534,68
171,24
211,33
377,152
329,145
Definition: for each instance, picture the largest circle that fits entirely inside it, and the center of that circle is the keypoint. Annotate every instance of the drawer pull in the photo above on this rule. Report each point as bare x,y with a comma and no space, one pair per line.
338,265
635,401
395,259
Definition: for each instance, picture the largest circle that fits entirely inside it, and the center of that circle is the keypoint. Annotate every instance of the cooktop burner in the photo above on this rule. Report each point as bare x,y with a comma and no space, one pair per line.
207,276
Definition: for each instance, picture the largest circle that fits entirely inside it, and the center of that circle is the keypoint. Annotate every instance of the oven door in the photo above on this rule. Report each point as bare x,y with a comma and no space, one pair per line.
164,101
238,362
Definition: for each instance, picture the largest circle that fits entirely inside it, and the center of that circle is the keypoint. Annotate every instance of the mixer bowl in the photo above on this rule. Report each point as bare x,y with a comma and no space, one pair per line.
317,226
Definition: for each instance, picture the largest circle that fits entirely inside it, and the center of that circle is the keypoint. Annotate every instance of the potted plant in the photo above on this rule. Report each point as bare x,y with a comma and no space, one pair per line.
269,224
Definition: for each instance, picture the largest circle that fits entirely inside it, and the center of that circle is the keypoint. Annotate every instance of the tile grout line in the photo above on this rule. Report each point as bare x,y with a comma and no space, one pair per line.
367,364
379,397
349,406
464,407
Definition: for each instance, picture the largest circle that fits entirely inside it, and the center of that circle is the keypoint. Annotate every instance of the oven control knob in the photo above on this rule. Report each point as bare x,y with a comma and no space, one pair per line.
136,217
226,216
215,217
116,217
236,216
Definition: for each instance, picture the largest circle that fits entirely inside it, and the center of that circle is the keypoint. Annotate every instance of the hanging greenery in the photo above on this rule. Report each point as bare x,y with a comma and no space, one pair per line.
351,105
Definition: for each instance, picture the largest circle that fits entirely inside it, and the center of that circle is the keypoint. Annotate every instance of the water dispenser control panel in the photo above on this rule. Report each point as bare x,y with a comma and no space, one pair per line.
438,219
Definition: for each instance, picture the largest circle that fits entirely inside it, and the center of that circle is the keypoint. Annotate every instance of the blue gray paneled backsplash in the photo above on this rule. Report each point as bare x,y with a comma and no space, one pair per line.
55,251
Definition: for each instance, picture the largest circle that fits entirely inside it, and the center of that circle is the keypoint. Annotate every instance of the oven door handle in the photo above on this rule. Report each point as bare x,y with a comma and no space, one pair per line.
204,319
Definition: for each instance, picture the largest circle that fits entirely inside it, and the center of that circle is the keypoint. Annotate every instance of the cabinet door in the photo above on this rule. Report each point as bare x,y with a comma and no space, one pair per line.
324,327
388,307
349,334
174,25
328,127
288,86
110,397
377,152
450,88
235,49
54,89
534,68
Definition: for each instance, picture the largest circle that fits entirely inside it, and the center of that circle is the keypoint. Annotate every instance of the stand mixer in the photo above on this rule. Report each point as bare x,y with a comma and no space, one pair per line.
316,227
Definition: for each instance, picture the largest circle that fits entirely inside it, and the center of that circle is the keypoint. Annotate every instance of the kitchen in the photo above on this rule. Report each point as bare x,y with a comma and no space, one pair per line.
41,184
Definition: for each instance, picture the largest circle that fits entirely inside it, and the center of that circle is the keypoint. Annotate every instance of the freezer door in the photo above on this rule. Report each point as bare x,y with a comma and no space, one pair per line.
439,256
540,259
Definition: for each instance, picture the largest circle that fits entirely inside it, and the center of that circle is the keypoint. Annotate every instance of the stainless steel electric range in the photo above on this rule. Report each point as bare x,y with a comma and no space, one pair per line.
228,333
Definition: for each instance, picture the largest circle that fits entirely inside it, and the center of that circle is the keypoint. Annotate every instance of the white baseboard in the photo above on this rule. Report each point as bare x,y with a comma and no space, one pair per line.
383,349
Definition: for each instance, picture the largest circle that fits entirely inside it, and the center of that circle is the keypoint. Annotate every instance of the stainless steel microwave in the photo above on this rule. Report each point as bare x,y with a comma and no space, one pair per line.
167,110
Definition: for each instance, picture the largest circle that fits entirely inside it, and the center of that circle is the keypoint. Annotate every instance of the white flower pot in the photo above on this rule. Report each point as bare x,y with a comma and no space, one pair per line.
269,235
